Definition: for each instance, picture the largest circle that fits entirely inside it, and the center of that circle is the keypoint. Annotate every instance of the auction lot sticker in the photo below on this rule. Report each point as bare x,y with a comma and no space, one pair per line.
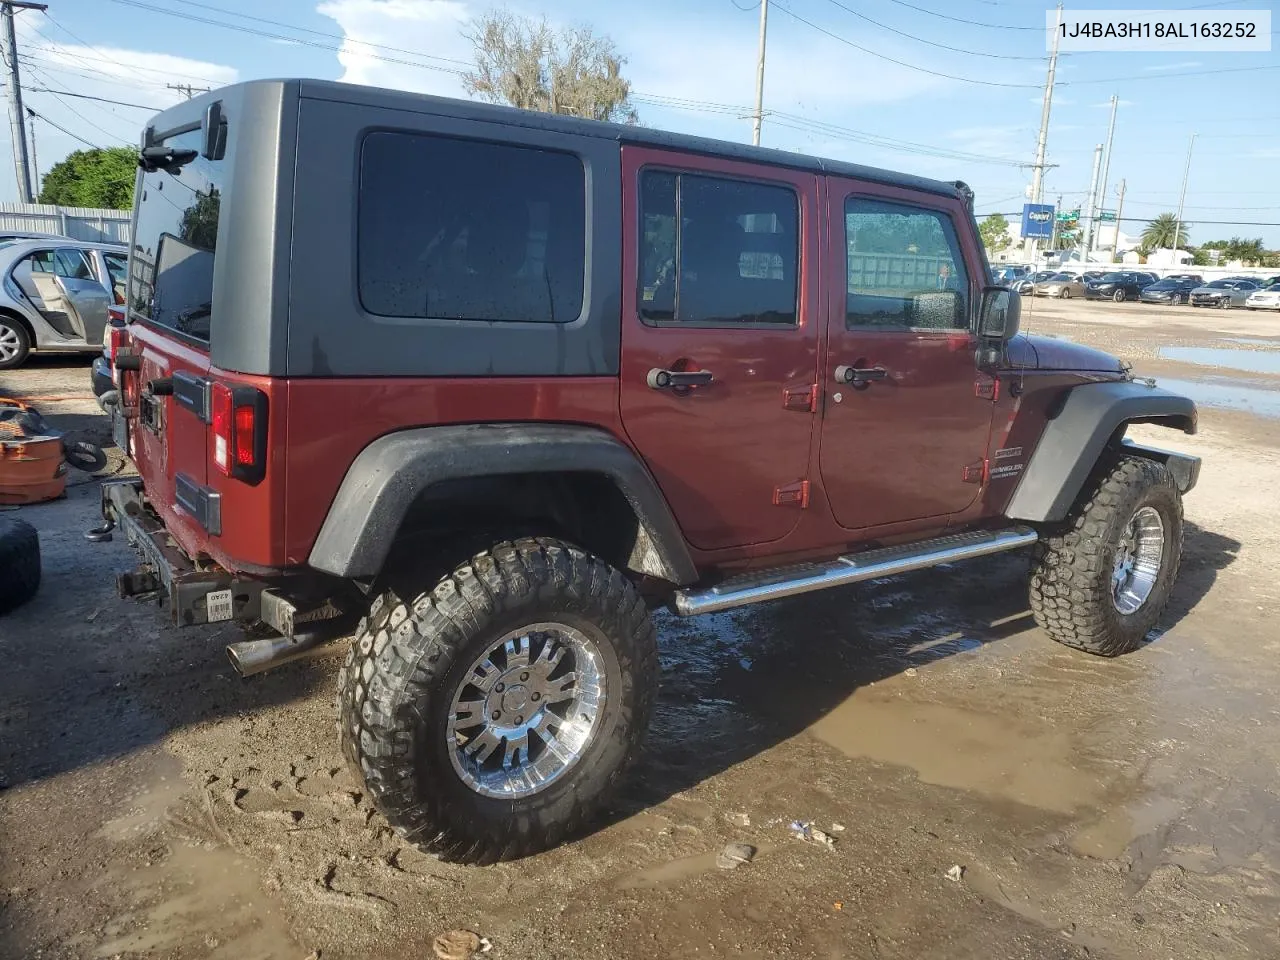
1160,31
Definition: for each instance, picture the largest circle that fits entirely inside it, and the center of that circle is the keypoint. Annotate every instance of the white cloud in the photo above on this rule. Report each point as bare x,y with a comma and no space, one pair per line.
434,27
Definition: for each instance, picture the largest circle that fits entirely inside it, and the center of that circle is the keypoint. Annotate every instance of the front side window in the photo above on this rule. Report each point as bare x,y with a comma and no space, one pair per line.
467,230
904,268
717,252
176,240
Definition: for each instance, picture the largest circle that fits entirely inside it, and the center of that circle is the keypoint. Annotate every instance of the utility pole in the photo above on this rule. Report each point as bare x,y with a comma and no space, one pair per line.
1115,249
1091,210
1057,209
35,164
1106,163
758,117
187,89
1186,172
1037,178
17,126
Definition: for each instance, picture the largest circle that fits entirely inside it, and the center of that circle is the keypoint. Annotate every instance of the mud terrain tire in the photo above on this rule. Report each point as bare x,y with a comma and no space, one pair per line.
410,659
1072,593
19,563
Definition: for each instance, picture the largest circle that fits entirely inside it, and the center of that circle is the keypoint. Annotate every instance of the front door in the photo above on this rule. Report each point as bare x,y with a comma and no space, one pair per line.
720,341
907,417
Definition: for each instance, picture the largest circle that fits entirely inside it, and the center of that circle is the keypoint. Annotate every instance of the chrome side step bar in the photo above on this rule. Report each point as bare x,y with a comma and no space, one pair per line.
883,562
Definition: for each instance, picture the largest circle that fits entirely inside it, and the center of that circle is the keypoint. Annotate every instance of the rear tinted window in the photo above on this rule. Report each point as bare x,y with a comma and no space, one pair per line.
465,230
171,281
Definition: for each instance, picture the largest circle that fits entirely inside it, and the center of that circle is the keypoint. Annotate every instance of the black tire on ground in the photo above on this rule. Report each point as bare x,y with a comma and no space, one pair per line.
1118,296
19,563
1065,294
409,659
1071,577
11,332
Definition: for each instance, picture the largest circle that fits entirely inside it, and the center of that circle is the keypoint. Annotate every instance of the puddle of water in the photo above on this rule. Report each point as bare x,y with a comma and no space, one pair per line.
999,756
1250,361
1227,396
1109,837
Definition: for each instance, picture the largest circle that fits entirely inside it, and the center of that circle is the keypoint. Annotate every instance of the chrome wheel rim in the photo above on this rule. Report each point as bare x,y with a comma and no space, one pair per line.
10,343
1138,559
526,710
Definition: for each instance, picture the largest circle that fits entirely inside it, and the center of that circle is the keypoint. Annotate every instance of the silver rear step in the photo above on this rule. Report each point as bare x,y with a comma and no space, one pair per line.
884,562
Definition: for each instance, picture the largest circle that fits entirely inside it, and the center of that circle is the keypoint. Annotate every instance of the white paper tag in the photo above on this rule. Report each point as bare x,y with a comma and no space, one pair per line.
219,605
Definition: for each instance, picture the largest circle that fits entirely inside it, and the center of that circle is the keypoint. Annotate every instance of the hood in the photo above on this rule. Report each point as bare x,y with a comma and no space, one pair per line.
1046,353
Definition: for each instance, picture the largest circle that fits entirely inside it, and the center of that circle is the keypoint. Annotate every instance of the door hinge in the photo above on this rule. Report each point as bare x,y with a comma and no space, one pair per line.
988,388
804,399
977,472
793,494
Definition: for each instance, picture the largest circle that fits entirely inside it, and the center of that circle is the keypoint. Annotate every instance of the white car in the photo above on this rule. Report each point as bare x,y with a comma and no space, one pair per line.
1268,298
54,296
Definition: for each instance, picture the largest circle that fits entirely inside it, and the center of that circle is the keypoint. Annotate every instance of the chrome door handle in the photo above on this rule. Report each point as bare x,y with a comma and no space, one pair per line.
847,374
659,379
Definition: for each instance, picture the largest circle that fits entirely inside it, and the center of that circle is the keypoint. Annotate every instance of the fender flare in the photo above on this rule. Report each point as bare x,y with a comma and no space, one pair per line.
1072,442
389,474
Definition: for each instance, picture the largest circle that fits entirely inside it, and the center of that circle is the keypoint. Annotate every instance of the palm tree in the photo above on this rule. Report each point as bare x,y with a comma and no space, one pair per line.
1160,232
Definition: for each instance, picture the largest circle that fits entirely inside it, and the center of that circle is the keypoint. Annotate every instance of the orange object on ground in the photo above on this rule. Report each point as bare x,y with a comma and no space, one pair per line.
32,470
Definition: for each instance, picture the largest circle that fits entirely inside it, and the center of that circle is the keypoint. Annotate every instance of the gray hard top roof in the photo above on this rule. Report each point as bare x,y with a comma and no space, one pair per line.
492,113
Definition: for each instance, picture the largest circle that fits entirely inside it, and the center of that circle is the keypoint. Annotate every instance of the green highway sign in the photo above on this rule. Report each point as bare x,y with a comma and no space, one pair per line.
1066,215
1107,216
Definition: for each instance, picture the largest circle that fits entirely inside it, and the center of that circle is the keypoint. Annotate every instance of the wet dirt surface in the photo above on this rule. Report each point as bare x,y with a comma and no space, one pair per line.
152,805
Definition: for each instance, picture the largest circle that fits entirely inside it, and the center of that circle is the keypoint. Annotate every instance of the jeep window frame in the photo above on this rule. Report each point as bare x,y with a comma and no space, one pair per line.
677,171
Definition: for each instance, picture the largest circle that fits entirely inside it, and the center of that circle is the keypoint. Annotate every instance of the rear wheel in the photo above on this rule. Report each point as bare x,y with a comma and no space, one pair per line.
15,343
1118,296
491,716
1101,583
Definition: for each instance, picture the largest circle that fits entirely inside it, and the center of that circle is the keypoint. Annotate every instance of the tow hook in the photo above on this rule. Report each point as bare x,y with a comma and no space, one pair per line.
100,534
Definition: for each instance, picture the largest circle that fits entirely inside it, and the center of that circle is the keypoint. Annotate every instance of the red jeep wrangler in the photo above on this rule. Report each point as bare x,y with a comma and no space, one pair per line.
499,382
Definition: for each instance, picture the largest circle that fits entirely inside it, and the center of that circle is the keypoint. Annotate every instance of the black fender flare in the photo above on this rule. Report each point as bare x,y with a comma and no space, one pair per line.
390,473
1090,418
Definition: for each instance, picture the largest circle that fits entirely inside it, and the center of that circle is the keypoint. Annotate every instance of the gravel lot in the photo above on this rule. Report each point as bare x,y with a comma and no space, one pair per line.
151,804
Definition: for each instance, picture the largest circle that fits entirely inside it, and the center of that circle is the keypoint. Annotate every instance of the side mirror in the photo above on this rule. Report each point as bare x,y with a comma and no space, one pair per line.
1001,311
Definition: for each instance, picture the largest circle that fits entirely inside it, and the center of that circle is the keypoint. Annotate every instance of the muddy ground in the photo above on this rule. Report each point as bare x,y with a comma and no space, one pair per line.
154,805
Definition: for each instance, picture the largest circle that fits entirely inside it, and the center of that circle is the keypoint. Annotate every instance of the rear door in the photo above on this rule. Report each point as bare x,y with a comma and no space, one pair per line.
170,303
907,418
86,296
719,339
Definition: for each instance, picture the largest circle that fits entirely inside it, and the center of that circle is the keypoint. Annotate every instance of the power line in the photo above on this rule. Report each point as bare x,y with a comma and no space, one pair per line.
114,61
56,126
278,36
972,23
75,112
881,56
932,43
85,96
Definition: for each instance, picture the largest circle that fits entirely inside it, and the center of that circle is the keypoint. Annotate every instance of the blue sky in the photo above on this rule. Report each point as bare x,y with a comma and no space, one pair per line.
692,65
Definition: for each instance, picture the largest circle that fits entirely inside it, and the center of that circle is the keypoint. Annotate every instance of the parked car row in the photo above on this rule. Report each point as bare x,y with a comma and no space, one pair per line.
1180,288
56,294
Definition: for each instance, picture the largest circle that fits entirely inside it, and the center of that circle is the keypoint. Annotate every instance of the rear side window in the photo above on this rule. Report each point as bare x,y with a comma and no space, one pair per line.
468,230
175,241
905,268
717,252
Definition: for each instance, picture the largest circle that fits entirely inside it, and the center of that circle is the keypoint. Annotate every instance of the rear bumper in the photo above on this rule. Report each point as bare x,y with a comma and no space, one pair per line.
101,376
193,595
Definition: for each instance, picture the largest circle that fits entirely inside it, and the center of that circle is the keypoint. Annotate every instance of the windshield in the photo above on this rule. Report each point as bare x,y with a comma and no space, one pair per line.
1062,276
1114,277
1219,284
171,280
1165,284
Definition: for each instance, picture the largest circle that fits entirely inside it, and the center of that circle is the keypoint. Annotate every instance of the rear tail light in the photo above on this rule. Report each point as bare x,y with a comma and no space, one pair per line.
239,420
117,338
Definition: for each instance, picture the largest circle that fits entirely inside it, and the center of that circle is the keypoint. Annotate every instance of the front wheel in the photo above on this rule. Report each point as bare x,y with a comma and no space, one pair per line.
1065,294
494,714
1118,296
1101,583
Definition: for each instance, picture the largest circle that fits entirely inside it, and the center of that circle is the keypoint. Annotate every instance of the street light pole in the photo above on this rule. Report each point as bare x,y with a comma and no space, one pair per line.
1186,173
